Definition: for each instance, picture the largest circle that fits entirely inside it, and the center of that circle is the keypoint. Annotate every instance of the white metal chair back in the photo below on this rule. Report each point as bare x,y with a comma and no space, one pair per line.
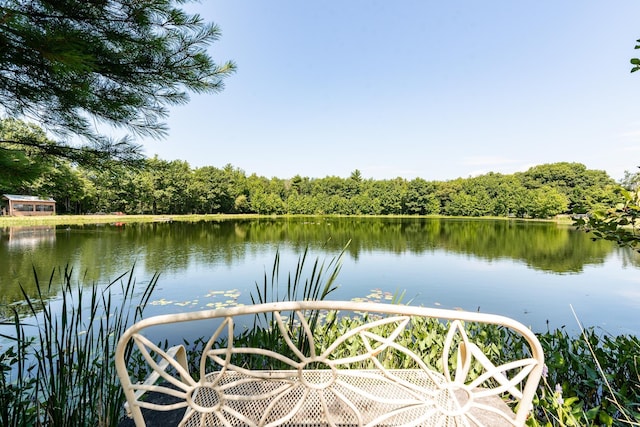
364,373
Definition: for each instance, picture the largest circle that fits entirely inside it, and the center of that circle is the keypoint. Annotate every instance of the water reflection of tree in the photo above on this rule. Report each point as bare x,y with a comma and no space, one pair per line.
101,253
541,245
544,246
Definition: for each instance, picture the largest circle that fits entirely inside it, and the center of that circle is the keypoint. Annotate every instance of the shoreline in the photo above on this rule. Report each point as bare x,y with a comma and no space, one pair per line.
7,221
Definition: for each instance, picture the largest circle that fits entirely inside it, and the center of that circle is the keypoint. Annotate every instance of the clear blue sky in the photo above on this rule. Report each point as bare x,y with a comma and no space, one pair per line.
430,89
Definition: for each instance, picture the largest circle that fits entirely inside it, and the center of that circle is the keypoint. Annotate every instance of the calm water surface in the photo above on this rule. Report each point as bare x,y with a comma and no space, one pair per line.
533,272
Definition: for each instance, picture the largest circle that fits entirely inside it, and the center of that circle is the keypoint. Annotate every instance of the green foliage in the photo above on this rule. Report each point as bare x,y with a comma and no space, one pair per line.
423,336
20,166
70,64
172,187
65,376
162,187
593,379
581,187
421,198
635,61
620,224
545,202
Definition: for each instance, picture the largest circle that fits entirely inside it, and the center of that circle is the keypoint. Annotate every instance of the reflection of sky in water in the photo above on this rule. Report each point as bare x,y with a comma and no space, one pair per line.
509,288
26,242
602,296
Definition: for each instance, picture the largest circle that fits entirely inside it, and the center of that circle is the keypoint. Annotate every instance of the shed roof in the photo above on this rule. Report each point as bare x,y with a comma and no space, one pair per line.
21,198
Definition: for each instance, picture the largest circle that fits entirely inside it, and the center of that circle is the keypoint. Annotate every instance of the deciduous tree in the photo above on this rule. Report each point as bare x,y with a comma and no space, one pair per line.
20,165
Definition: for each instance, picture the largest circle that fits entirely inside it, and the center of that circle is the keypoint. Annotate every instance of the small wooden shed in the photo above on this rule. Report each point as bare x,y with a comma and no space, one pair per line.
17,205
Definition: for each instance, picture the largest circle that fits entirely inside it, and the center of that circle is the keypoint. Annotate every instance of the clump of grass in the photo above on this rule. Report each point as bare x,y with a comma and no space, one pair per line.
59,369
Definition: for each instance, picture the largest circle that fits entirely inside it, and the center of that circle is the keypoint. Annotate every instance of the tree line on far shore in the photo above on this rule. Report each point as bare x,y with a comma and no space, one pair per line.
173,187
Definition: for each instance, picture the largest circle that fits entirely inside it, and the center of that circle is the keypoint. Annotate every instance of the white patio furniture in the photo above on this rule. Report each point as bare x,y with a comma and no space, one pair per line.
354,380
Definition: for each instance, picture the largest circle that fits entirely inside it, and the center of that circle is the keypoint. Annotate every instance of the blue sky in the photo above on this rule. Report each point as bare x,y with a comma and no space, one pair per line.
430,89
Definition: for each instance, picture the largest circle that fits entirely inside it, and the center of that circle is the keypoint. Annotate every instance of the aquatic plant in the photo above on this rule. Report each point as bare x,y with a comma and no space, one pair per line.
59,368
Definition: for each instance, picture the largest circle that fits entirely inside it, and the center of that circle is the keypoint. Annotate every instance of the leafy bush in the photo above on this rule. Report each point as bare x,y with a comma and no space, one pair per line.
592,379
620,223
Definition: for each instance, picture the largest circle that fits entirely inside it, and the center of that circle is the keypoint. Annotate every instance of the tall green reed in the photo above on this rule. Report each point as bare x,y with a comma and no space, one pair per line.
300,287
17,385
305,284
62,373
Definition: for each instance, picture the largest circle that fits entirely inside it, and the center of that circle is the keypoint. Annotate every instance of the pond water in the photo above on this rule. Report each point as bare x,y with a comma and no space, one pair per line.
534,272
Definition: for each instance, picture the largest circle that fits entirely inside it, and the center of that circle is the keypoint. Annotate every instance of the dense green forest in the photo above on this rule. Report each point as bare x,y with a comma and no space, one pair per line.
173,187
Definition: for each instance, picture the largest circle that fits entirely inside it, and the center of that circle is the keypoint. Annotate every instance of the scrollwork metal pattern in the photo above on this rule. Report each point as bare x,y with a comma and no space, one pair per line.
321,389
